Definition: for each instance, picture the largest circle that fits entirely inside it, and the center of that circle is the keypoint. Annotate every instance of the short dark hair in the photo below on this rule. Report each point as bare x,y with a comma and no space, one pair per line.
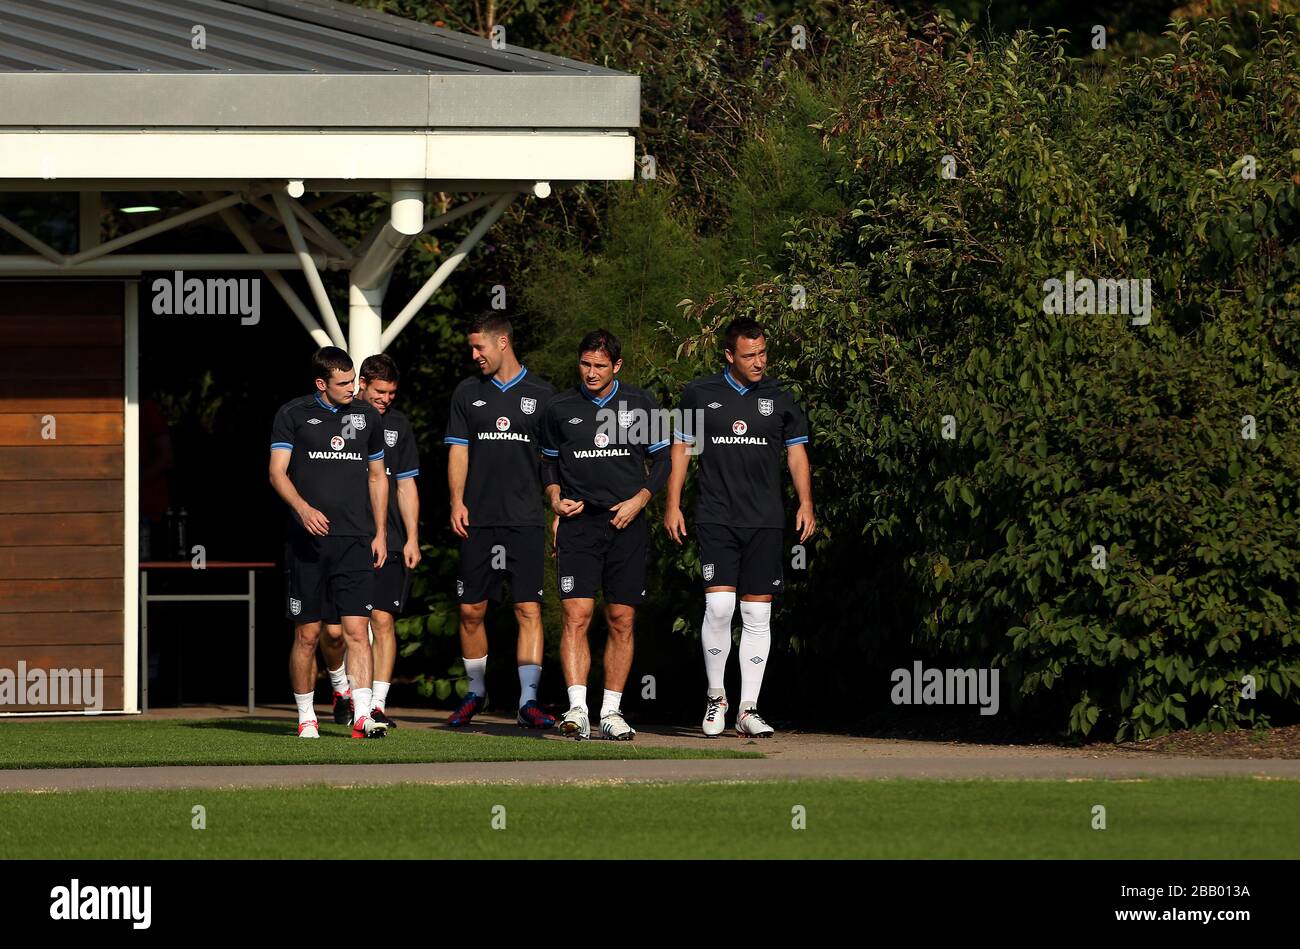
379,368
328,358
601,340
742,326
493,323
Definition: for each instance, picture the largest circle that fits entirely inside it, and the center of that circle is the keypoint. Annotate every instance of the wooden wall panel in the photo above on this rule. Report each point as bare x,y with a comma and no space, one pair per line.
62,510
61,530
60,497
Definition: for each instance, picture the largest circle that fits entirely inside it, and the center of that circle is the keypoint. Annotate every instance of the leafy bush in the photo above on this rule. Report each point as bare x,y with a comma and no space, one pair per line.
1113,519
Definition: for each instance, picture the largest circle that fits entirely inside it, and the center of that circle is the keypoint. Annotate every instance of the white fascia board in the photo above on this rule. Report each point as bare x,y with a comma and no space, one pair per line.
146,156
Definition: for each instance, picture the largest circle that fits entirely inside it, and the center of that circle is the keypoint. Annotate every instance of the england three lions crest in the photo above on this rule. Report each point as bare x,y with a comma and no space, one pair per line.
528,406
358,420
390,437
765,406
625,417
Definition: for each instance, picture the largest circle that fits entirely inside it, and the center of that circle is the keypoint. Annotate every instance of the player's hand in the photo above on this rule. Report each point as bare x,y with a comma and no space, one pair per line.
411,553
675,523
460,520
567,508
626,511
805,522
315,522
379,550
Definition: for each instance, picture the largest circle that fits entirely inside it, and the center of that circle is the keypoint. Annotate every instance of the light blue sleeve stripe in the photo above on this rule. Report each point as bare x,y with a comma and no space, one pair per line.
407,474
657,446
550,453
797,441
377,455
689,439
285,445
449,440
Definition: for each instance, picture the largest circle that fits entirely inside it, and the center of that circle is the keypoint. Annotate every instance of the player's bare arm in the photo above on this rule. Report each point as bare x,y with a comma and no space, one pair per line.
674,521
626,511
564,507
378,485
312,519
805,522
408,505
457,471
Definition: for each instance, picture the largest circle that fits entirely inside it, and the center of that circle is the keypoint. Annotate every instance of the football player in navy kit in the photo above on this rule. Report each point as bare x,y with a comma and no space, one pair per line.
494,478
327,464
379,377
597,438
747,422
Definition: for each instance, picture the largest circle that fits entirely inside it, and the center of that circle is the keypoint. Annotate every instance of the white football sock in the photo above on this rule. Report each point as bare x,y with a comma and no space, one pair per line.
610,703
476,669
361,708
578,696
715,635
380,691
755,640
529,676
339,679
306,713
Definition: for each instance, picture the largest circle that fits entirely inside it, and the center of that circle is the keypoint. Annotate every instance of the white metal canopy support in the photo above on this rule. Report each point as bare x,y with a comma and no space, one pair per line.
171,223
316,232
235,222
31,240
445,270
134,263
309,269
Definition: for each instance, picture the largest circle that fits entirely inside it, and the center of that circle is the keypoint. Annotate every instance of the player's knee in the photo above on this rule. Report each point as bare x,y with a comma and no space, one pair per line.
528,611
307,635
720,605
620,620
577,616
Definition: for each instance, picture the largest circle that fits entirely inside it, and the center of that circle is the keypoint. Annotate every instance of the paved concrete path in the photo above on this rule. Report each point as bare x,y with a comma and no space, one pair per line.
790,756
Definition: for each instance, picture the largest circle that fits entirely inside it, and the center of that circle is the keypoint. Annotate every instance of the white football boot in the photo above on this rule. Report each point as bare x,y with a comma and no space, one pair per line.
749,724
615,727
575,723
715,715
308,729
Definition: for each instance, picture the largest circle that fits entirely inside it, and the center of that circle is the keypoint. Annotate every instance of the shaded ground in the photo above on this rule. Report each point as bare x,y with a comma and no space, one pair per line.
423,750
1281,742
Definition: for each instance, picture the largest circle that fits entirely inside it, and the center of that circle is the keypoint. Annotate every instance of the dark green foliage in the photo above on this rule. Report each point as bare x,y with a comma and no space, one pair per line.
1073,434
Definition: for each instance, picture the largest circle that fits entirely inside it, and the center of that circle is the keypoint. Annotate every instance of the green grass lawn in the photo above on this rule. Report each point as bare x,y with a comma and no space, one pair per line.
118,743
1192,818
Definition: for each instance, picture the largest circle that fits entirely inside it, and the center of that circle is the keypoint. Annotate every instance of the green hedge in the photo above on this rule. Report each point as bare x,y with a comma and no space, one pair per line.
1075,436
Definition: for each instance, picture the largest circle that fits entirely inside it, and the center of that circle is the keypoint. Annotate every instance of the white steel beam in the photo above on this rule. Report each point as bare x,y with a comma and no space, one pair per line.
31,240
185,217
309,156
309,270
235,222
445,270
125,263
